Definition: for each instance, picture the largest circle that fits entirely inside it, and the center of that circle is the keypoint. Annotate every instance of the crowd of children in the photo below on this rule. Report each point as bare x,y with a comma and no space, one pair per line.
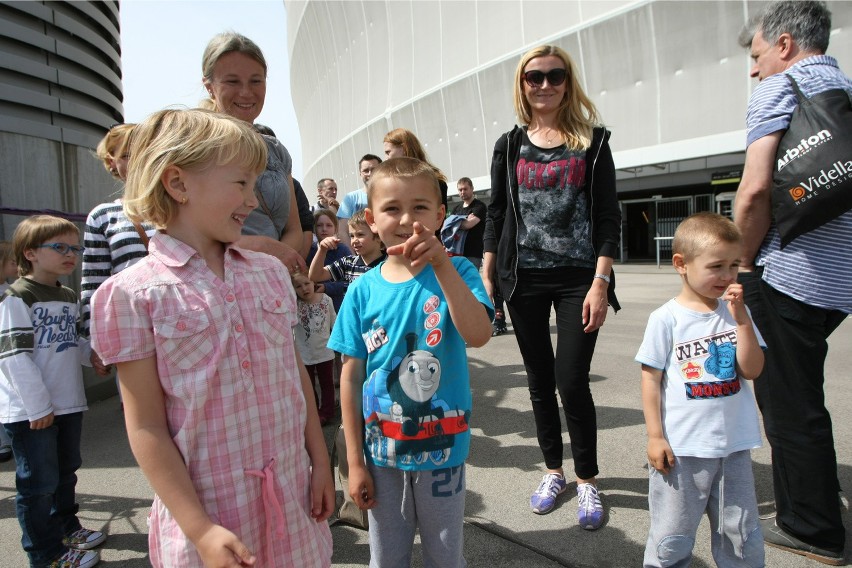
217,350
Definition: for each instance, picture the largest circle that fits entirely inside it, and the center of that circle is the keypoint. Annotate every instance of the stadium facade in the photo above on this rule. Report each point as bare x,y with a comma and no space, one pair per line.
60,90
668,78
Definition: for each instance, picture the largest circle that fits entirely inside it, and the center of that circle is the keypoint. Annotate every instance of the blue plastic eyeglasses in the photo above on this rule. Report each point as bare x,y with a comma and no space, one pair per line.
63,249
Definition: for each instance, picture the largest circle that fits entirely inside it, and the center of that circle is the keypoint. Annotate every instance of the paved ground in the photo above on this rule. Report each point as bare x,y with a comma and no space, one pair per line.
504,465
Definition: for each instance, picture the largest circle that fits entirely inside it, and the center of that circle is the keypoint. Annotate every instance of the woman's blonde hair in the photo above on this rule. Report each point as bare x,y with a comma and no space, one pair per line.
411,148
33,232
222,44
114,144
577,114
191,139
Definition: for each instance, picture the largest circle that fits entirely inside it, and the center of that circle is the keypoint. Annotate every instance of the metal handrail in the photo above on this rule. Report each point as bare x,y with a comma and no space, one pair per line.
658,239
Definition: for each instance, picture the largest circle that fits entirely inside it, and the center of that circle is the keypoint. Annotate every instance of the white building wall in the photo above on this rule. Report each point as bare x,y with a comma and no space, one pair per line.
668,77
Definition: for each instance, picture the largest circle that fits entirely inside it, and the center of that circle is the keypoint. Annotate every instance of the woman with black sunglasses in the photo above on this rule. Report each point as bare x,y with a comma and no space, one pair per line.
550,237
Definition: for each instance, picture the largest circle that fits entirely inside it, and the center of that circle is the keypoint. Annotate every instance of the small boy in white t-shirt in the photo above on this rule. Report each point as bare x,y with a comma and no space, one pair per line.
699,350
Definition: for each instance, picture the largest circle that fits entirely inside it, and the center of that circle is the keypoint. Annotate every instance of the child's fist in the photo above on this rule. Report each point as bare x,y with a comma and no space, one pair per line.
329,243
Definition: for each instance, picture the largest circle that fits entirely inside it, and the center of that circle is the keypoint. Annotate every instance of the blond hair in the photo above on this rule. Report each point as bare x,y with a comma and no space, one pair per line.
412,148
358,218
577,115
190,139
404,169
701,231
114,144
33,232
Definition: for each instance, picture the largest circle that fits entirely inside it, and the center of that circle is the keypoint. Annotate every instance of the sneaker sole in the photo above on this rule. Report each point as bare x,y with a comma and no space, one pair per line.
89,545
812,555
592,527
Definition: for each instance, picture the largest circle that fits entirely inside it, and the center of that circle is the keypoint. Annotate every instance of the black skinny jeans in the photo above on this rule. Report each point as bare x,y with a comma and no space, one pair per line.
567,371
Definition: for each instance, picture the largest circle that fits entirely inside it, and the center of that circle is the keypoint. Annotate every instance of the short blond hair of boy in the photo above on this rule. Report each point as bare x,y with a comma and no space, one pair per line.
191,139
33,232
403,169
359,218
701,231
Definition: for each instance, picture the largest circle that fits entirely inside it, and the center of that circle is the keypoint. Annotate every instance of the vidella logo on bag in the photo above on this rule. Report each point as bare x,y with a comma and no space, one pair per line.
836,175
804,146
812,184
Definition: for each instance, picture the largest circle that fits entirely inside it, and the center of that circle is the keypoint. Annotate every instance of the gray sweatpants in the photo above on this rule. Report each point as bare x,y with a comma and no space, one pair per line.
431,500
721,487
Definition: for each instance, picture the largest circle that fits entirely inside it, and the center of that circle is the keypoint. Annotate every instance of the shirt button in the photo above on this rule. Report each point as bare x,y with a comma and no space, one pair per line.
277,303
246,365
229,298
181,326
239,328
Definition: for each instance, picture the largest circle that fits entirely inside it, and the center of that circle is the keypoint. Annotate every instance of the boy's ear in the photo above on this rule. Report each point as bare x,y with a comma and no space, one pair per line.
679,263
29,254
442,214
371,221
172,180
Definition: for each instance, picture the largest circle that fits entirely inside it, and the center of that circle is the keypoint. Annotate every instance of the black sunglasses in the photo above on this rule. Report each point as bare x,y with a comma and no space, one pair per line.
536,78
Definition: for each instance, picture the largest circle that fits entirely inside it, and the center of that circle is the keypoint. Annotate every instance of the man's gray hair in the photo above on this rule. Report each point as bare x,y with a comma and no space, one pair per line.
807,21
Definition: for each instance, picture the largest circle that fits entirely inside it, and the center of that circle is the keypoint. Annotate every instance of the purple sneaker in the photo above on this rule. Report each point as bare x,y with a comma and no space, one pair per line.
590,514
544,498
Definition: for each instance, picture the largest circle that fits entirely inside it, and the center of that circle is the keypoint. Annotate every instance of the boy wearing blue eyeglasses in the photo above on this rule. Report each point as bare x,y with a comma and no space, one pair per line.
41,392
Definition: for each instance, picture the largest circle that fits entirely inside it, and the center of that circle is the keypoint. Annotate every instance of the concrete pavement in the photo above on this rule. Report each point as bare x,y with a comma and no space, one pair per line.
504,467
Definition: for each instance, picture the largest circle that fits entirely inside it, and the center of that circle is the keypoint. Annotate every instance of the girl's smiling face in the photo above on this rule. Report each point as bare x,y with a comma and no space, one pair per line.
214,200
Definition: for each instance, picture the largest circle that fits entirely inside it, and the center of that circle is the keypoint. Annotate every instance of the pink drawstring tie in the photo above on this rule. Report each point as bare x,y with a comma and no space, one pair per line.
271,507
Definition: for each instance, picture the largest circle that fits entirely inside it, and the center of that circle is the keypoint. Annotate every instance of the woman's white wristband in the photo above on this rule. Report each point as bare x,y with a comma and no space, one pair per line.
604,277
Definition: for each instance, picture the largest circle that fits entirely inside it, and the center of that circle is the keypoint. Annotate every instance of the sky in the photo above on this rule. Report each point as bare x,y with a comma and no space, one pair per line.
161,47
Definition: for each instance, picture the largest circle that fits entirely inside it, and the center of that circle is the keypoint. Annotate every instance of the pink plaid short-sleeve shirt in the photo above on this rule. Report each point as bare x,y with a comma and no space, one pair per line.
234,402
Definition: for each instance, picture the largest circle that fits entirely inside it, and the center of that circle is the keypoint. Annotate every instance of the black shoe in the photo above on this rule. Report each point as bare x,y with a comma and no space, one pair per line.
773,535
498,328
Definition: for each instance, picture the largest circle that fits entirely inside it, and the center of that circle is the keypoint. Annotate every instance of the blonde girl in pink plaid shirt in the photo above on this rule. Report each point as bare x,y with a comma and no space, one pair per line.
213,387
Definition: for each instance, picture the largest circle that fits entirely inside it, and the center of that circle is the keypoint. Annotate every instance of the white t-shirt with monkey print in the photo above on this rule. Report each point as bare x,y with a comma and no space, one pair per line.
708,410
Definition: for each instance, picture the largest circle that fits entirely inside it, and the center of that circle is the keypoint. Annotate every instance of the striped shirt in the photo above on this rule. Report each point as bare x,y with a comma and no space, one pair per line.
349,268
111,245
815,268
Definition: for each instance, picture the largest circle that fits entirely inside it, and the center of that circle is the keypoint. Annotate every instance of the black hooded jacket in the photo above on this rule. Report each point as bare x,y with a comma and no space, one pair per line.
501,224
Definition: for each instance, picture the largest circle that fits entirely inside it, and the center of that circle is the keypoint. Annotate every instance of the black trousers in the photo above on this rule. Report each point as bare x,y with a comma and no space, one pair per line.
791,398
566,370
